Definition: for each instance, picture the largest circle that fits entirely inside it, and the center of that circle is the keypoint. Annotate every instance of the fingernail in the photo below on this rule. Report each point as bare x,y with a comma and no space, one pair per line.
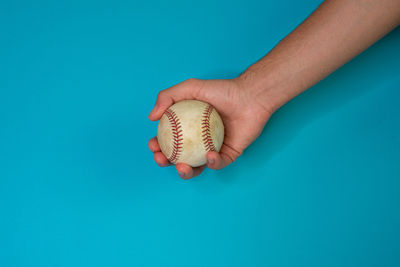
210,161
181,174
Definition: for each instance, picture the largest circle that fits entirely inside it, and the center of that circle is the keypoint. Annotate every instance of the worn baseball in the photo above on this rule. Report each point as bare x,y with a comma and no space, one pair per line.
188,130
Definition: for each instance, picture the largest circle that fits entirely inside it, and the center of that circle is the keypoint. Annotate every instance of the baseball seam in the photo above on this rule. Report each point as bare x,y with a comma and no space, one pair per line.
177,138
206,132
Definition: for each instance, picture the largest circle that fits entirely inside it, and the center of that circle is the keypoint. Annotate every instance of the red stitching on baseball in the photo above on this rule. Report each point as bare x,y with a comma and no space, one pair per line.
176,135
206,133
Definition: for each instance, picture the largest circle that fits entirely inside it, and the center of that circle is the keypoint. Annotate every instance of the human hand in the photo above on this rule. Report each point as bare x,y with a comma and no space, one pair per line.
244,117
336,32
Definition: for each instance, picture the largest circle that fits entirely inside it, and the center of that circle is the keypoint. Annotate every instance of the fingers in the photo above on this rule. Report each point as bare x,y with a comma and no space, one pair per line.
159,157
164,100
220,160
161,160
153,145
186,172
167,97
215,160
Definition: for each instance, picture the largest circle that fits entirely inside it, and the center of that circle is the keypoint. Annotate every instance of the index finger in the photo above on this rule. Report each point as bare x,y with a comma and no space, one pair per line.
167,97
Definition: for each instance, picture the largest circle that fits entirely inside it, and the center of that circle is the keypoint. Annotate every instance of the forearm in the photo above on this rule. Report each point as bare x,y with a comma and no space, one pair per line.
335,33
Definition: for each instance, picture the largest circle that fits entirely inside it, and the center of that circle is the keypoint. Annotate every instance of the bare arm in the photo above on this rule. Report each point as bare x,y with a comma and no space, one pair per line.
334,33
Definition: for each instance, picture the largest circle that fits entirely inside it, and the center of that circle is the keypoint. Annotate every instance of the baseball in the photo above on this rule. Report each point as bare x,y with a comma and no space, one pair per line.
188,130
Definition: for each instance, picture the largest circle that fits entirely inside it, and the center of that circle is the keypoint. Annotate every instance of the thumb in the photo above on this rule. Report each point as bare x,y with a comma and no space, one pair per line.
167,97
220,160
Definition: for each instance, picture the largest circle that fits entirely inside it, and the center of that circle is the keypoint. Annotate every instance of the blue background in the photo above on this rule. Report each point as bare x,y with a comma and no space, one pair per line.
78,186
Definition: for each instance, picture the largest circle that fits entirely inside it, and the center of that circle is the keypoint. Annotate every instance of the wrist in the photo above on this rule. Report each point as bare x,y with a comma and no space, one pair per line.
265,90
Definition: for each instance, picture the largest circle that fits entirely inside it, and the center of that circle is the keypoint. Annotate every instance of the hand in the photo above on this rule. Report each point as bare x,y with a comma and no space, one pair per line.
243,115
336,32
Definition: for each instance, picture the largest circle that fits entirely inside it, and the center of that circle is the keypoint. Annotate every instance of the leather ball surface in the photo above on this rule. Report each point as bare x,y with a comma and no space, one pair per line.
188,130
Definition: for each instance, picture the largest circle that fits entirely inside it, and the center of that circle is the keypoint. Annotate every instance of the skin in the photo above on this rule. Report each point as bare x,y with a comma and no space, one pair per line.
334,33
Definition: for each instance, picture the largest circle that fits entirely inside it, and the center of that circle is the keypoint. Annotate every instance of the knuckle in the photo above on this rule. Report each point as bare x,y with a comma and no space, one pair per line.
161,94
191,81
